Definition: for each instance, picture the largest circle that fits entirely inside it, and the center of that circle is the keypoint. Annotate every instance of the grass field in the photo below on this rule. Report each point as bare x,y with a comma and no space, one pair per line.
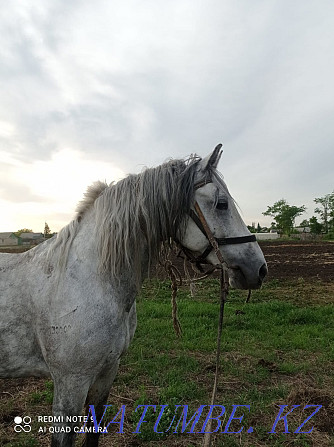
276,350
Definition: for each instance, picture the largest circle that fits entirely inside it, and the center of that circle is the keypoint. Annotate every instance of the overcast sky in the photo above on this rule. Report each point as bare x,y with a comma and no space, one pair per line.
98,89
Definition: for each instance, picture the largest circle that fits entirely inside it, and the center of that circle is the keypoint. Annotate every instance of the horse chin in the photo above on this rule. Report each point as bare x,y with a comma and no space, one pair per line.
237,280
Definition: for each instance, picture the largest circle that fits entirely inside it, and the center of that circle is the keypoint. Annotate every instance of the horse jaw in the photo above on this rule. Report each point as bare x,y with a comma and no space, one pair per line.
242,274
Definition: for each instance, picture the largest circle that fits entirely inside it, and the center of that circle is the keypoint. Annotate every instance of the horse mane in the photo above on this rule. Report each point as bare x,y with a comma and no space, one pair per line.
149,207
92,193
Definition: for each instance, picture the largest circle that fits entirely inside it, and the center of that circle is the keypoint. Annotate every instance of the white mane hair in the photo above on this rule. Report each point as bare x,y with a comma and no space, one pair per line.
149,207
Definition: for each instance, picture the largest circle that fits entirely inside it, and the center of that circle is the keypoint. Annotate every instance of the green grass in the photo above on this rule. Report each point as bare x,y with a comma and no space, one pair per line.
23,440
43,396
268,350
276,350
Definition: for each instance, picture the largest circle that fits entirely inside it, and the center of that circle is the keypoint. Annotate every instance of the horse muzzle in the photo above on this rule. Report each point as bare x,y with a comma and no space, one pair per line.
242,278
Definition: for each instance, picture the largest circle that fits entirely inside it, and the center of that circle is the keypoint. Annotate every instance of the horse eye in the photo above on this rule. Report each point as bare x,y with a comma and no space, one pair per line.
223,205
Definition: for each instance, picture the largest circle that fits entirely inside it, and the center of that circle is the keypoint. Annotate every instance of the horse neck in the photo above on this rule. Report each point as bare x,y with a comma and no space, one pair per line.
84,248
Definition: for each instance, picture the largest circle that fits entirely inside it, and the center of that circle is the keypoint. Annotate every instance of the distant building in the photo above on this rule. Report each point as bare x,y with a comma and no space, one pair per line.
303,229
32,238
8,238
266,236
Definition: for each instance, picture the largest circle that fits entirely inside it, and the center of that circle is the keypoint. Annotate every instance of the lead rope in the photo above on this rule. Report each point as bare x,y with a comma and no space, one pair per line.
174,274
223,296
224,286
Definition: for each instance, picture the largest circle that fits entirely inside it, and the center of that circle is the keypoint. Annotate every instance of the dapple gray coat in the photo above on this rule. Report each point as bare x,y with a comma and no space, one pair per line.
67,307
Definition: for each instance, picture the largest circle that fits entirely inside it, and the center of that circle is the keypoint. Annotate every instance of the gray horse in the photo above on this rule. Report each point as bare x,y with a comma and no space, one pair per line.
67,307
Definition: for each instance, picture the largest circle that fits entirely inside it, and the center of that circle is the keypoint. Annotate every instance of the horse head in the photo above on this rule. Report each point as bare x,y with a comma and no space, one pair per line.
214,215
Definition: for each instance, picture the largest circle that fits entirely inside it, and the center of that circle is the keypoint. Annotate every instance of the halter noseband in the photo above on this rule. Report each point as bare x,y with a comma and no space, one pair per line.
214,242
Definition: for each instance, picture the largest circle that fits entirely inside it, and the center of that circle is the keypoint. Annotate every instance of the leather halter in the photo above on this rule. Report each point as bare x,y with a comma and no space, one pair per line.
214,242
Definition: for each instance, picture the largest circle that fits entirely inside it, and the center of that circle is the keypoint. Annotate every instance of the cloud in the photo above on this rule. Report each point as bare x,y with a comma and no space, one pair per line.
51,188
128,84
18,193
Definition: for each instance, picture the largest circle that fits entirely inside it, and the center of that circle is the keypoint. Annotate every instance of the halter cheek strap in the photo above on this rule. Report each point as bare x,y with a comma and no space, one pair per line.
220,240
198,217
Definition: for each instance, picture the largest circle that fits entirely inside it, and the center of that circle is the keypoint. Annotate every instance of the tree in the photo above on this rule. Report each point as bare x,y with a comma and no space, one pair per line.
284,215
315,226
251,228
23,230
326,211
46,229
305,223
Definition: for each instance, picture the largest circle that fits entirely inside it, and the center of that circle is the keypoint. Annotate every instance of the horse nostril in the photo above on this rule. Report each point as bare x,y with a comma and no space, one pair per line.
263,271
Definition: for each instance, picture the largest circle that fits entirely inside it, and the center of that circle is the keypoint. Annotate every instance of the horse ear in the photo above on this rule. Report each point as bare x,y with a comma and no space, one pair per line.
212,160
